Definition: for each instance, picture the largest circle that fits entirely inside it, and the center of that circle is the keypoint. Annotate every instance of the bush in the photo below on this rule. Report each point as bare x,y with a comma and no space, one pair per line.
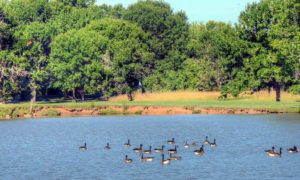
5,111
139,112
51,113
295,89
109,112
196,111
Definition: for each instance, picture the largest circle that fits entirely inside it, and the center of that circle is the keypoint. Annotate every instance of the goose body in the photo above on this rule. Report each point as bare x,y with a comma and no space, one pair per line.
214,144
206,141
172,141
127,160
173,151
146,159
107,146
186,145
199,151
127,144
293,150
83,148
149,151
165,161
270,150
174,158
194,143
159,149
276,154
138,149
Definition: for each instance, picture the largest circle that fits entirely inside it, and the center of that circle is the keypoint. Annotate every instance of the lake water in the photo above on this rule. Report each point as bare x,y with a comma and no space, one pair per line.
49,148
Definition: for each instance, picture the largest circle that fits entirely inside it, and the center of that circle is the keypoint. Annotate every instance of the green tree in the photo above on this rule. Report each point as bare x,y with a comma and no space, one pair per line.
30,38
168,37
168,31
127,58
73,3
32,49
12,77
26,11
272,26
66,18
199,75
77,61
5,34
217,45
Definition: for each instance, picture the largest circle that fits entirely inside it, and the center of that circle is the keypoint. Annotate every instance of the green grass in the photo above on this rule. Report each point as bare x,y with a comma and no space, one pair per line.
284,106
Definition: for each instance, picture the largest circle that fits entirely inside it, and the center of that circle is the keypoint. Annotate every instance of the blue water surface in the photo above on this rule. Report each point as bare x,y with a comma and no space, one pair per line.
49,148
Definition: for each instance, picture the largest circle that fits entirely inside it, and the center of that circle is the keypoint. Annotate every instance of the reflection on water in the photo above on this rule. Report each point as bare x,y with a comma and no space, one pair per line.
49,148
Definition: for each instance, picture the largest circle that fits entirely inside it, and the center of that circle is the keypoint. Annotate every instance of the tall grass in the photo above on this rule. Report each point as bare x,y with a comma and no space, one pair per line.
170,96
192,95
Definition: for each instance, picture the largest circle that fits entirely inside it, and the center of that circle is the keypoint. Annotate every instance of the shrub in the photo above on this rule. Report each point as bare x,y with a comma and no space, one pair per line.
51,113
196,111
109,112
139,112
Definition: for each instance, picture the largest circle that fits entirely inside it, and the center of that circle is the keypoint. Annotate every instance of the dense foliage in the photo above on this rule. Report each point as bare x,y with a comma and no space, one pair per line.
72,48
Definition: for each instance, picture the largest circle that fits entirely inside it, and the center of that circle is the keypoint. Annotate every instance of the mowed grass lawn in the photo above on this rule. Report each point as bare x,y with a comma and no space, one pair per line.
262,100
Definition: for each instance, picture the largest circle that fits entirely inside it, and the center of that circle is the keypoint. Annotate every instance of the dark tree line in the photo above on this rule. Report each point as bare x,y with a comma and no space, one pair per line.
75,48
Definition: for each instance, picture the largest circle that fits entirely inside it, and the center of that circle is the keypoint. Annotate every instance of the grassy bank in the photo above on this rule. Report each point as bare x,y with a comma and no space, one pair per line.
259,101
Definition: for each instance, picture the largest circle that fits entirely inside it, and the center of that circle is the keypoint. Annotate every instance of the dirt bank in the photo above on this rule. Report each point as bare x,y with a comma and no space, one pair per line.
129,110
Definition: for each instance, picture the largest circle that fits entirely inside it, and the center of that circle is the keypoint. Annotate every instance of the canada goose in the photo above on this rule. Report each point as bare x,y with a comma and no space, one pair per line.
83,148
127,160
206,140
165,161
293,150
160,149
214,144
194,143
276,154
127,144
186,145
270,150
107,146
172,141
138,149
173,151
174,158
149,151
199,151
146,159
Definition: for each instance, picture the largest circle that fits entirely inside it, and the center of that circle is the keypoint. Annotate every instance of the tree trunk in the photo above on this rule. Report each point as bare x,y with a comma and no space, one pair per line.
278,91
65,95
74,94
33,93
143,88
82,94
33,98
129,95
1,95
47,92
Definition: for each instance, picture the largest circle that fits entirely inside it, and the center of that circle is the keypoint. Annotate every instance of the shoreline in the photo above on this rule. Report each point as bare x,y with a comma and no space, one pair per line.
61,111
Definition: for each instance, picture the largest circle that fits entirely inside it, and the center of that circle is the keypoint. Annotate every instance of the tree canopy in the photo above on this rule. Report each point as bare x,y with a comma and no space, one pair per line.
76,48
271,27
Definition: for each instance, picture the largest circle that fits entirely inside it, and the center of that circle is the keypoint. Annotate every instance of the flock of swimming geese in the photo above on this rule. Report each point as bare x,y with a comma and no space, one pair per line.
173,151
272,153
